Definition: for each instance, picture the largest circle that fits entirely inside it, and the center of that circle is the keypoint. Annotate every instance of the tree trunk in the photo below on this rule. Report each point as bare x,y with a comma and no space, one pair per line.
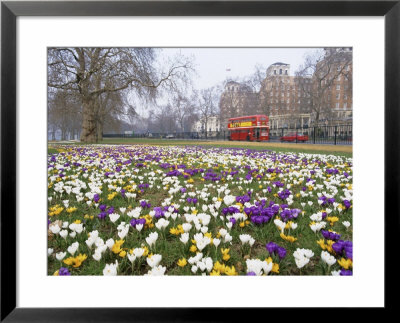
89,124
99,130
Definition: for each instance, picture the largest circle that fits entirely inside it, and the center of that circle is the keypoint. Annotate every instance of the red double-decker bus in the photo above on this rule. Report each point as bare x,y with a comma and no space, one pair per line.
250,128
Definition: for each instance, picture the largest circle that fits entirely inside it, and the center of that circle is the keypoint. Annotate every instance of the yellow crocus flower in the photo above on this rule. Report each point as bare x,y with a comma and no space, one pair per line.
345,263
215,273
275,268
182,262
230,271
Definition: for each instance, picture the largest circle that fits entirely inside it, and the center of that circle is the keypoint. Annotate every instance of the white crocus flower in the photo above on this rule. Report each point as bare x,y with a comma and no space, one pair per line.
73,248
114,217
346,224
138,252
223,232
139,227
327,258
186,227
60,255
157,271
110,269
54,228
110,243
162,224
184,237
251,242
302,257
152,238
216,242
229,199
301,262
131,257
244,238
64,233
154,260
280,224
49,251
227,238
97,256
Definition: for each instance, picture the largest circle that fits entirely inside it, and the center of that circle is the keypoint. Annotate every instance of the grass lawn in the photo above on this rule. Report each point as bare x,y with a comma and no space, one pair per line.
337,150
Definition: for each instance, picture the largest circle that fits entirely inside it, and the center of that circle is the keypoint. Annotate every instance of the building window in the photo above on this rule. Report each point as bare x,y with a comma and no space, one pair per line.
280,71
338,87
286,72
337,96
337,106
344,105
275,72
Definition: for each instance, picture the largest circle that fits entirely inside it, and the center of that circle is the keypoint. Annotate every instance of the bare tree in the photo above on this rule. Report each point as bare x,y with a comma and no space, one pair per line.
207,105
63,113
183,107
91,72
324,69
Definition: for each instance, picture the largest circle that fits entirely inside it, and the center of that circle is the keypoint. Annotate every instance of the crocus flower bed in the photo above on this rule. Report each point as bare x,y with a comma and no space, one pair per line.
152,210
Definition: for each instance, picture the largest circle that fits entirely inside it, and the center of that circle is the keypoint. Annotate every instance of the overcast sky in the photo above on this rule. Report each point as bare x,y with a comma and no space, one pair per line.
215,65
212,63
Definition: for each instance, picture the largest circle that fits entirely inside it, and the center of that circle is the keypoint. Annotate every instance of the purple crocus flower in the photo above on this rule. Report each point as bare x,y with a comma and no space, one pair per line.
281,252
63,272
102,215
345,272
347,204
330,235
144,204
158,212
233,220
96,198
102,207
133,222
273,248
251,273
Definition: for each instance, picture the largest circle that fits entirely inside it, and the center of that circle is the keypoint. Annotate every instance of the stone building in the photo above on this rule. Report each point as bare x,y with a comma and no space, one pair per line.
284,98
212,125
337,70
297,101
237,100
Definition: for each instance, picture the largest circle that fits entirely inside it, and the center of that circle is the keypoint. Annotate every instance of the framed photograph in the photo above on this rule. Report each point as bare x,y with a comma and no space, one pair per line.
360,39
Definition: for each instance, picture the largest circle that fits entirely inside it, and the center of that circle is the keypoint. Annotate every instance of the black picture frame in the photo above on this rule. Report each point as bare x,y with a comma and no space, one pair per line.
10,10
